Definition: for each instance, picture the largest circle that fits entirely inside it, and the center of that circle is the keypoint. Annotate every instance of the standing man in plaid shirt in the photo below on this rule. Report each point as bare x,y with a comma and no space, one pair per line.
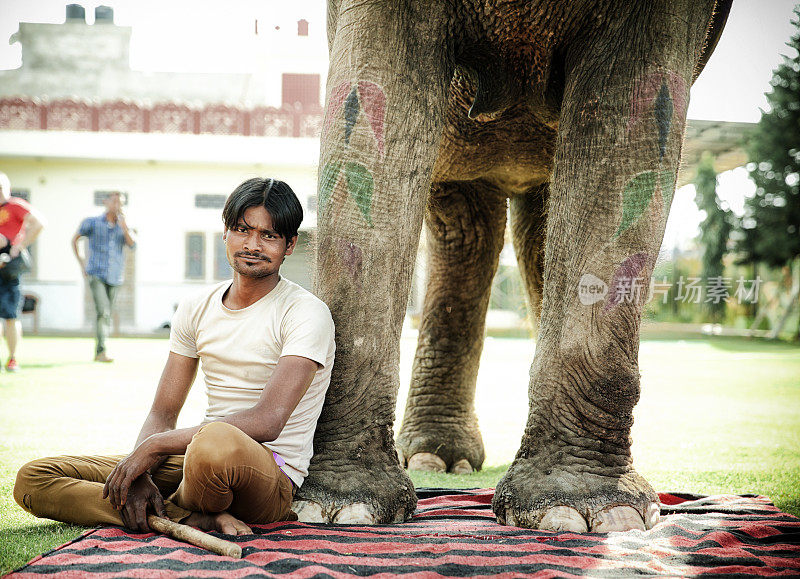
104,266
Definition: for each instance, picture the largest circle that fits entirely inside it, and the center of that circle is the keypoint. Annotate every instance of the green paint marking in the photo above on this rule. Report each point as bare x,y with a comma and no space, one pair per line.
636,199
327,182
360,187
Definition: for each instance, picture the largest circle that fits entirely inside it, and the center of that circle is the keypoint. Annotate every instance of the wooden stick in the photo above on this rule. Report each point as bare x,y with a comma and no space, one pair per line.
194,536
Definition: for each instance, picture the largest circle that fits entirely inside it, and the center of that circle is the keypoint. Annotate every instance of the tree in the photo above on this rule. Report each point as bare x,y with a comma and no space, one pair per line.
770,228
714,232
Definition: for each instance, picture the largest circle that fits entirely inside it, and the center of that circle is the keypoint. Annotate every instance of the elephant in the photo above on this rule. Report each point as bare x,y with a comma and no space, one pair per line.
567,118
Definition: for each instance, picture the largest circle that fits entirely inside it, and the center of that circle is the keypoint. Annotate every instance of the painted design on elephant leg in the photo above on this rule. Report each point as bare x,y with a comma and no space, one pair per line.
335,103
351,110
639,193
636,199
328,179
353,259
360,186
662,94
663,113
373,100
359,179
622,284
668,179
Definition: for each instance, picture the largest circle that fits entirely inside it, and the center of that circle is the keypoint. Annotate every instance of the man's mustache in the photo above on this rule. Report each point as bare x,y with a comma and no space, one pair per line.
251,255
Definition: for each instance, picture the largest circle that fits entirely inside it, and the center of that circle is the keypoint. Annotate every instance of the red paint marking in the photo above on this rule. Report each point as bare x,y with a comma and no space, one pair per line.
338,95
373,100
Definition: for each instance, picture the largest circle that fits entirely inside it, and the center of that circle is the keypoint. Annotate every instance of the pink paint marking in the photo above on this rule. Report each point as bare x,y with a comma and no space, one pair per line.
629,270
353,259
338,95
680,94
373,100
646,92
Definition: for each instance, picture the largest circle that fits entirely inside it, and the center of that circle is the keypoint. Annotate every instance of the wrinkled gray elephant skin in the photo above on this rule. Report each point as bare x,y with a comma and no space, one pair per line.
569,118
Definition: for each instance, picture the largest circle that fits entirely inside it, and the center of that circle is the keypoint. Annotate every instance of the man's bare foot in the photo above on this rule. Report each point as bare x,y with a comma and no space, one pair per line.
223,522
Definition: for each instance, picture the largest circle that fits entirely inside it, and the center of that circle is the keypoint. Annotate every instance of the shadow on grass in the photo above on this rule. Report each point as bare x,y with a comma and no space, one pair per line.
760,345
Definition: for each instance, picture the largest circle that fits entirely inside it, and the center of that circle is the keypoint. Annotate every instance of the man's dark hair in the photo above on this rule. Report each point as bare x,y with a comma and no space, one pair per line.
273,195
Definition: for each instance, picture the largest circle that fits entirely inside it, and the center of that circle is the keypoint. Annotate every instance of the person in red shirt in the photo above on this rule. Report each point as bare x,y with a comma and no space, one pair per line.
20,223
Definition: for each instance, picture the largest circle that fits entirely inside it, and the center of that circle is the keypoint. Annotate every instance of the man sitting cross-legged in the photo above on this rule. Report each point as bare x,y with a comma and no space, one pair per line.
266,347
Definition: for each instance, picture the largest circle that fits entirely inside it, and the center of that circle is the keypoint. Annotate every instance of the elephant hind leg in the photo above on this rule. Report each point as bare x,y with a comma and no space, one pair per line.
465,226
528,219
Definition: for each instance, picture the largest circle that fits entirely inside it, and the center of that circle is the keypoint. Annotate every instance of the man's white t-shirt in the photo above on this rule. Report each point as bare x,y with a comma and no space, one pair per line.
239,350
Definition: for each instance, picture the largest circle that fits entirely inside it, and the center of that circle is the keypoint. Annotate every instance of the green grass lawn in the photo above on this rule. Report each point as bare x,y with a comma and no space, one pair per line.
717,415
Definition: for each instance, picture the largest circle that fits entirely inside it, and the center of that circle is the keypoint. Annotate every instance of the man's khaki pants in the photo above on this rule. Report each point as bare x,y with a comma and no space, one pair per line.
223,470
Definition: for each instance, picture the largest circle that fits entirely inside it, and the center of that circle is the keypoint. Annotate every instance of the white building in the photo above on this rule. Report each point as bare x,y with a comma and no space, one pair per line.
76,122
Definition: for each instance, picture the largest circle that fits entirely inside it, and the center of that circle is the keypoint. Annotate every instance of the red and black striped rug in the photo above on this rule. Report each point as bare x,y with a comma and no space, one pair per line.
454,534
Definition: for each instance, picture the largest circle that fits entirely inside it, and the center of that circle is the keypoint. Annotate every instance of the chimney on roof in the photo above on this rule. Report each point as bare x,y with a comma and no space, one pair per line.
302,27
76,12
103,15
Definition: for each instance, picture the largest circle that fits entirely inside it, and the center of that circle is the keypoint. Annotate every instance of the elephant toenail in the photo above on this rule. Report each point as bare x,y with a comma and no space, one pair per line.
355,514
461,467
426,461
652,515
617,518
563,518
309,512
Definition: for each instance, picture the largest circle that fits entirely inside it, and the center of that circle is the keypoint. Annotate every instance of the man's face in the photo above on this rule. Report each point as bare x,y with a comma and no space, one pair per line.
113,203
254,248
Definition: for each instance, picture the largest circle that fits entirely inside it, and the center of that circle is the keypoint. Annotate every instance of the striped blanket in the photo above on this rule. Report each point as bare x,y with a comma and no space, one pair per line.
454,534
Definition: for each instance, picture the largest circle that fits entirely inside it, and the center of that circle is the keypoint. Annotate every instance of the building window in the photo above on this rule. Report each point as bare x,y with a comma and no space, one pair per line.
302,27
195,256
22,194
205,201
101,196
222,269
302,89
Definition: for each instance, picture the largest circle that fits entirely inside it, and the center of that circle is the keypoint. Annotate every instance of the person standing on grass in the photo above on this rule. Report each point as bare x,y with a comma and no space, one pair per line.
107,235
267,348
20,224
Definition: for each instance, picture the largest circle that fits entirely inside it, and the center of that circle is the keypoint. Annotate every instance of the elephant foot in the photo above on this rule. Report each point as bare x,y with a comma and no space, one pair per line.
576,501
363,487
441,448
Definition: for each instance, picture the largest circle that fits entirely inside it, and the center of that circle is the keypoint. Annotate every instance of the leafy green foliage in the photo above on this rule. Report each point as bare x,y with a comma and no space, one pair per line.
715,229
770,228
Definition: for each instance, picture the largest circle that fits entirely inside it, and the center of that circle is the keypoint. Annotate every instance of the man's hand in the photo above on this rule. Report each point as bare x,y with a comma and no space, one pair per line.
127,471
142,494
14,251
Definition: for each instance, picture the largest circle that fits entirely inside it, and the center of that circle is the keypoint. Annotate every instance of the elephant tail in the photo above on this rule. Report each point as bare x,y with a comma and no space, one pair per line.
715,25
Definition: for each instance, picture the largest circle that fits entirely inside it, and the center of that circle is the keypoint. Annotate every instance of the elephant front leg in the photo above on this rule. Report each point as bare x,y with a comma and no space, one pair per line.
386,98
616,161
465,225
